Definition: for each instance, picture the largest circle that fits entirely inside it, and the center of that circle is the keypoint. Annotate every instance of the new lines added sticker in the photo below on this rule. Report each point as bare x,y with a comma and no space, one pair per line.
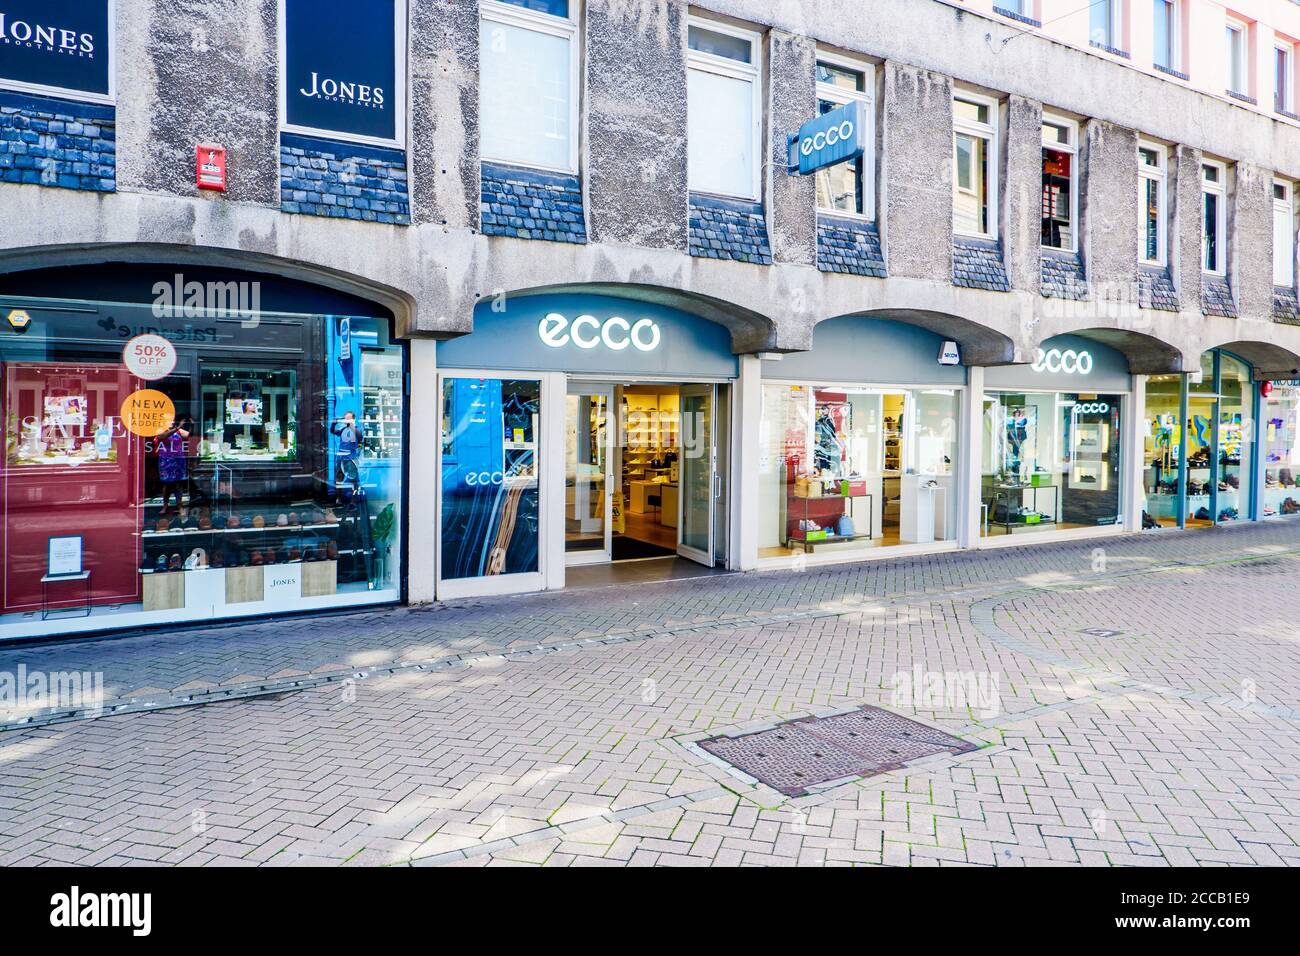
148,413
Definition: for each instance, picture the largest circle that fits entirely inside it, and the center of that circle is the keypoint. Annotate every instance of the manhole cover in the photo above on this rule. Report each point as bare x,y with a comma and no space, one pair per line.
814,750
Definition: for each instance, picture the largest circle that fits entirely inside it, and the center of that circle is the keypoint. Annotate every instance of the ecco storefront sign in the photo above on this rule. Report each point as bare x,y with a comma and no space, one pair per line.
1063,361
588,332
834,137
57,46
343,63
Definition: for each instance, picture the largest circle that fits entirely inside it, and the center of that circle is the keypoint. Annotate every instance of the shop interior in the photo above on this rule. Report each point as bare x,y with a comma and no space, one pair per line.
845,468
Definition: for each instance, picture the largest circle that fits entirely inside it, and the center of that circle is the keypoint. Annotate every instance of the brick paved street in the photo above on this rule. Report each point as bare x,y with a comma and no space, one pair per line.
1147,713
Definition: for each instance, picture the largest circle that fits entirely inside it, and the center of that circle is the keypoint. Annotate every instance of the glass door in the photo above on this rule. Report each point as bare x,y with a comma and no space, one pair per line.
698,474
588,482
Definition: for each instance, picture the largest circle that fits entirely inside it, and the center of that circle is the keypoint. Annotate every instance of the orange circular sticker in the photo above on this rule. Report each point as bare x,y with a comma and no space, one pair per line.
148,413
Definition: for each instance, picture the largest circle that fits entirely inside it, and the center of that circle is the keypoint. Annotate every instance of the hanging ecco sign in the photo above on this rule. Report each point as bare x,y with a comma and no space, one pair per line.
1064,362
586,332
1092,408
833,137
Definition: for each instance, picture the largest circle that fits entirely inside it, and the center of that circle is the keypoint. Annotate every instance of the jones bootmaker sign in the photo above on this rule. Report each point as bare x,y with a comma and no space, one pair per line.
57,46
342,64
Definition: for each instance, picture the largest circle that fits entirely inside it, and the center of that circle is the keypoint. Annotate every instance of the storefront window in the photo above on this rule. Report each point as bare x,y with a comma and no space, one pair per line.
1162,443
1235,438
1050,460
1281,441
848,467
162,467
490,432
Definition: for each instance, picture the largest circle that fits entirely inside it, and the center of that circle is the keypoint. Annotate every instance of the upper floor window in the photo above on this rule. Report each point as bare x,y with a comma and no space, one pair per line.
528,87
1214,217
63,48
1105,23
1165,33
725,118
1284,77
1284,227
975,180
1152,202
1060,183
1235,33
847,188
344,77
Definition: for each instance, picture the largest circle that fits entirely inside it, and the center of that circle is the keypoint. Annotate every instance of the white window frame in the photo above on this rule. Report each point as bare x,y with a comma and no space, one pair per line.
842,97
1175,36
1232,24
401,23
751,72
1159,174
1220,189
1072,148
1116,26
989,133
1284,98
63,92
1286,206
566,28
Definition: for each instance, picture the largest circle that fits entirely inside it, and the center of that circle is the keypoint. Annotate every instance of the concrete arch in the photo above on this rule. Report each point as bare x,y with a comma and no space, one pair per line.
750,331
399,303
1146,354
1267,359
979,344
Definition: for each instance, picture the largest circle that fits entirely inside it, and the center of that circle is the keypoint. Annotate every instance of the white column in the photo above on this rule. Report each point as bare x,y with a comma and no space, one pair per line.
970,433
423,460
745,463
555,389
1133,430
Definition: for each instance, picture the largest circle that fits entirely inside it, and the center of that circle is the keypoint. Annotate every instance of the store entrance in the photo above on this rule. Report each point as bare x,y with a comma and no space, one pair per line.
642,472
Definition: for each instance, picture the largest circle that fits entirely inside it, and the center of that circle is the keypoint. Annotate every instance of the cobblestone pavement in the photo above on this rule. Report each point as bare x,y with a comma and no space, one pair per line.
1146,712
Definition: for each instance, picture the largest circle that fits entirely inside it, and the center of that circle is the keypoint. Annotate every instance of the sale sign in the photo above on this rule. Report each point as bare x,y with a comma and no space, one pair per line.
149,357
148,413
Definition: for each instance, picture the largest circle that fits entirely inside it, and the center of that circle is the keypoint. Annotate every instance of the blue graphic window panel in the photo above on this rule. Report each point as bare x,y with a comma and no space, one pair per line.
62,44
556,8
490,504
341,66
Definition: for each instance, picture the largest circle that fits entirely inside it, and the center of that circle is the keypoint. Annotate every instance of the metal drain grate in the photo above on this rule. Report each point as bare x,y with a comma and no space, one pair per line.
814,750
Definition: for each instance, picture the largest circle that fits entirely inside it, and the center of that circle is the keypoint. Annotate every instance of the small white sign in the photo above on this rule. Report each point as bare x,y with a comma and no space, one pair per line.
149,357
283,583
64,556
949,354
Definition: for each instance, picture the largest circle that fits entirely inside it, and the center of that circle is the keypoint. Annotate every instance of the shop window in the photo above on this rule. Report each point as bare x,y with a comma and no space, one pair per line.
258,469
847,188
1165,33
1284,230
490,477
1214,218
975,180
528,95
1060,183
1284,77
724,122
1281,450
1105,24
1050,460
849,467
1236,35
1152,202
1235,439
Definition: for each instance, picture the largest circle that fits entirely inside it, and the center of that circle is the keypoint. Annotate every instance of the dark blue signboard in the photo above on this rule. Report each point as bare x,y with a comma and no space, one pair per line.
59,46
341,67
831,138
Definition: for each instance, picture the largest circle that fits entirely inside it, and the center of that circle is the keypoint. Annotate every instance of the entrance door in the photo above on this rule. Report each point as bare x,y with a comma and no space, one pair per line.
588,483
699,482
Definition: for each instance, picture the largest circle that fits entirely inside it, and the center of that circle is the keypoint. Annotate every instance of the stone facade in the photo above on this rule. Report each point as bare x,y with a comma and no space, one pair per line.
526,204
49,142
977,264
729,229
320,177
850,246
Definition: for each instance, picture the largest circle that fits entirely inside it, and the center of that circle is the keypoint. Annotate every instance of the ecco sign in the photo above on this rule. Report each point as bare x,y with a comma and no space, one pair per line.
1066,362
831,138
484,478
586,332
1092,408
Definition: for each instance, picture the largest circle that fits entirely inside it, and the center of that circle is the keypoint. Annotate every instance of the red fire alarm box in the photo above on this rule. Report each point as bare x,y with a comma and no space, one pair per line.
211,167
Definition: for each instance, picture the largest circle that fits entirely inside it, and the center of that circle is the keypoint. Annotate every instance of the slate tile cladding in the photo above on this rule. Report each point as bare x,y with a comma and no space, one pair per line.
849,245
977,264
53,142
1061,276
529,204
1216,297
1285,306
325,177
728,229
1156,290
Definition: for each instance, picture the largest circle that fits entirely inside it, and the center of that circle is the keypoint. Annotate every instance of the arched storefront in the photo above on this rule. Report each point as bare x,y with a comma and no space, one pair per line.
184,444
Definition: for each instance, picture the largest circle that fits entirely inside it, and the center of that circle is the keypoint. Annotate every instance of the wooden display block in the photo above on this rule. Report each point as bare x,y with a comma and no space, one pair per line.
245,585
319,578
164,590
